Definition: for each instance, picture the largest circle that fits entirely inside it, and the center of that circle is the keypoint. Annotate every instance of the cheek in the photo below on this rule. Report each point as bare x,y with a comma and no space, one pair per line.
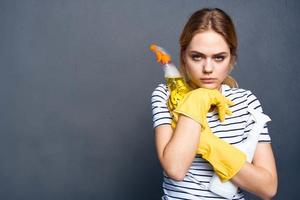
192,72
223,71
225,66
193,68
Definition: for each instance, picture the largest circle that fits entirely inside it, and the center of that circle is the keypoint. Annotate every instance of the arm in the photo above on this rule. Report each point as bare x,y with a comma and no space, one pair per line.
176,151
260,177
228,189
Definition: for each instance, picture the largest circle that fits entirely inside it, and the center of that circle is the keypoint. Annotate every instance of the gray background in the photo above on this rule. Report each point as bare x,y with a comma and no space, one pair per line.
76,79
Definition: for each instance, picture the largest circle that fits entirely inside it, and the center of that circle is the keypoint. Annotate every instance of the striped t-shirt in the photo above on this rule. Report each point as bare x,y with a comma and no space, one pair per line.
233,130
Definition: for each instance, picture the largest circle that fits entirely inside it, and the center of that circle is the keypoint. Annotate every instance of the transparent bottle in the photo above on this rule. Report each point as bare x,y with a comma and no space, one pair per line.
175,84
174,80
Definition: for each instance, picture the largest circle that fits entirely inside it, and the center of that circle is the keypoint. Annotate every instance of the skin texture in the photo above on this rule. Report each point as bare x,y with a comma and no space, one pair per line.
176,149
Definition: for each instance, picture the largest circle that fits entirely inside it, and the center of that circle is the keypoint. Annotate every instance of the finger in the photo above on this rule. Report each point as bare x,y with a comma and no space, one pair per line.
228,112
222,111
229,102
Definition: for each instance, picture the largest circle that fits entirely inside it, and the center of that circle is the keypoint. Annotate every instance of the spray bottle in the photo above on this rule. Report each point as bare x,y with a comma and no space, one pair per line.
174,80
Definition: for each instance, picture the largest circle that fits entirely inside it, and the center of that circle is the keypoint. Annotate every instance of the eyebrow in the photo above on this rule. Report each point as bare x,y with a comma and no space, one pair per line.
197,52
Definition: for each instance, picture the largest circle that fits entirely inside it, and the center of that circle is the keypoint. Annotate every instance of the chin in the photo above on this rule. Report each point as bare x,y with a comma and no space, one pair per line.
210,86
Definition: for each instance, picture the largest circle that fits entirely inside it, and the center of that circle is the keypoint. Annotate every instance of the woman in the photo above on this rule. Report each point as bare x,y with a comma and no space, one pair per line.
208,53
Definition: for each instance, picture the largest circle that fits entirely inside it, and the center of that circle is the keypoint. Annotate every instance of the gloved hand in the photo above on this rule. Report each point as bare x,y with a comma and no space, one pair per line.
197,103
248,146
226,159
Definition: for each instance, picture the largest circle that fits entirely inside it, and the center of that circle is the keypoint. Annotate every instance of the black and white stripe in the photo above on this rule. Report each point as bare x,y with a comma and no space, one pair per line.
233,130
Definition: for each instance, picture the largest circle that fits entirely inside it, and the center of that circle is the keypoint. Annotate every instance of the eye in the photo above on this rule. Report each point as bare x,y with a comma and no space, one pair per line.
196,57
219,58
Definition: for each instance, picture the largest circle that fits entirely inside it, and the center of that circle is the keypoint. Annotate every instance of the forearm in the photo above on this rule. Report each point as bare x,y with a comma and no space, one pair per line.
178,151
256,180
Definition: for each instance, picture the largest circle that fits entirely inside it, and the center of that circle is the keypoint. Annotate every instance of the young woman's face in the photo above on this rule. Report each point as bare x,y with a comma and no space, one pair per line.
207,60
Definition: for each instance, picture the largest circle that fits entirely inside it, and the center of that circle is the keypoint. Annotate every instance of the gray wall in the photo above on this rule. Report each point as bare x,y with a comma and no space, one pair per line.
75,84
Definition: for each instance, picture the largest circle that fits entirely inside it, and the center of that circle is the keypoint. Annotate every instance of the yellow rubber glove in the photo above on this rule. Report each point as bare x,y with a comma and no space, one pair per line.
197,103
225,158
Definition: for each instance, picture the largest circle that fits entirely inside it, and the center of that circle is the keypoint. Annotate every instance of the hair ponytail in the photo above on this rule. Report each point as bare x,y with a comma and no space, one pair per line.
231,82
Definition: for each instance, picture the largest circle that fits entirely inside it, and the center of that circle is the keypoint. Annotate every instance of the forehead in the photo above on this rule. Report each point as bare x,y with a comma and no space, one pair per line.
208,42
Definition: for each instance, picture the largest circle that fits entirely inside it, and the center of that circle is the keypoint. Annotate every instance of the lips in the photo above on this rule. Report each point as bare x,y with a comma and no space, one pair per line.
208,80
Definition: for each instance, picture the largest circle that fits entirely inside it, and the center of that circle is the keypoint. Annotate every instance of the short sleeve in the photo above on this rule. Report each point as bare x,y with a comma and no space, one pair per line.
160,111
254,103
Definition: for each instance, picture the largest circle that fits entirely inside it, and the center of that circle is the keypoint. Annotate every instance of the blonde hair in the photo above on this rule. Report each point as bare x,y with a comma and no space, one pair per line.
209,19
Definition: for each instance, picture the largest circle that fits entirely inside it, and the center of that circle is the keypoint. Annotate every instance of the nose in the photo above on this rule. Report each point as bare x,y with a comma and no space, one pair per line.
208,66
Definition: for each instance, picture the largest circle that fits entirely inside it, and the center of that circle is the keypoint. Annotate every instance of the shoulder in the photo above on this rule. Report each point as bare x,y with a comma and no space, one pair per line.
161,92
240,94
160,111
228,91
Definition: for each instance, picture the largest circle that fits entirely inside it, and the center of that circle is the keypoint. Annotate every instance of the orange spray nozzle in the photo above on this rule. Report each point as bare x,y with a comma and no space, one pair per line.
161,54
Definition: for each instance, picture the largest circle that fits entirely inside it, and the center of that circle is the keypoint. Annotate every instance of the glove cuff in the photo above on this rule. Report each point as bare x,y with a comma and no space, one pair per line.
226,159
